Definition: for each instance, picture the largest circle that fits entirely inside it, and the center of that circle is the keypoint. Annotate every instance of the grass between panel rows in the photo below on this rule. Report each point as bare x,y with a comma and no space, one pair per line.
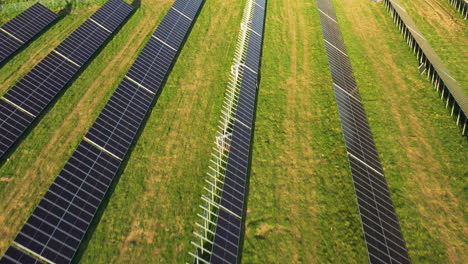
422,152
301,207
445,29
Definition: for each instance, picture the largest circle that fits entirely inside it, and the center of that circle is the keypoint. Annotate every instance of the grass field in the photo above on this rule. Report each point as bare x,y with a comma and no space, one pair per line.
301,207
446,30
424,157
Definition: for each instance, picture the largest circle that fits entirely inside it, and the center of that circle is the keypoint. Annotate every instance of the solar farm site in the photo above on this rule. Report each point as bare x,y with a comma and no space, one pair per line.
221,131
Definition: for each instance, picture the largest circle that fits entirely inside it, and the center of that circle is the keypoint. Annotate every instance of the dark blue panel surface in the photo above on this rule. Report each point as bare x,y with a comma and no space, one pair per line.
382,232
15,256
38,88
13,122
228,231
118,123
60,220
23,28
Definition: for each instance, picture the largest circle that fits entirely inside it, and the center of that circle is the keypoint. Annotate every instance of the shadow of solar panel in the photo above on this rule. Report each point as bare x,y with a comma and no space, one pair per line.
16,256
38,88
381,229
23,28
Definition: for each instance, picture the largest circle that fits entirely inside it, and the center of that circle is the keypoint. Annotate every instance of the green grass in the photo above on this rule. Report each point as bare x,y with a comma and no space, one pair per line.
39,158
161,186
11,8
448,41
301,205
419,144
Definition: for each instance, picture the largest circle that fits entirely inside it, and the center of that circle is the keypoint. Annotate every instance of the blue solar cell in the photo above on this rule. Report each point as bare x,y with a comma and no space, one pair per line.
189,8
16,256
380,224
23,28
118,123
83,42
150,68
12,123
112,13
38,88
228,226
60,221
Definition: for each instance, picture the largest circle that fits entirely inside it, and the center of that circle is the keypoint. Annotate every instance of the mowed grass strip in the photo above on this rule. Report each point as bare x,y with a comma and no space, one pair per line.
31,168
446,30
301,205
152,212
423,154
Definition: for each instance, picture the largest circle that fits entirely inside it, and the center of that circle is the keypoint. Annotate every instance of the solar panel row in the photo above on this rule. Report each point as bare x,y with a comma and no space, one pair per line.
16,256
382,232
450,90
24,27
36,90
227,238
58,224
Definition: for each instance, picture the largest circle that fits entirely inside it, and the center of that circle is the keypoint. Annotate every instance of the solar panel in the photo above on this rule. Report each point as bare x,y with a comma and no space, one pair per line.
38,88
227,235
56,227
450,90
59,222
24,27
12,122
381,229
16,256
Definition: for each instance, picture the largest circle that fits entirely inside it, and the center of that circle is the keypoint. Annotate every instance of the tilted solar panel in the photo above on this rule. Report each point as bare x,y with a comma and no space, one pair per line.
24,27
381,229
58,224
227,237
434,68
38,88
16,256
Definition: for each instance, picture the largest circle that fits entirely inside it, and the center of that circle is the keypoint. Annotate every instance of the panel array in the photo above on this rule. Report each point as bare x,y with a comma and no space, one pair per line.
430,63
382,232
38,88
24,27
221,229
16,256
56,227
